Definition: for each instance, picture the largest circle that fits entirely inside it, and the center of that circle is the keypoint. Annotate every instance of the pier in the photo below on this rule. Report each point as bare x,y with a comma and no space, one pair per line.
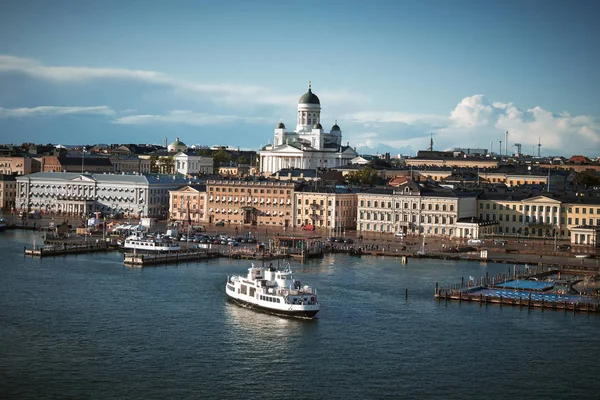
141,260
531,289
67,248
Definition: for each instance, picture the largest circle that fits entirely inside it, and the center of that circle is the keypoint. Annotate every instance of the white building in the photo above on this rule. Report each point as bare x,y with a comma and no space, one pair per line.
309,146
76,194
191,163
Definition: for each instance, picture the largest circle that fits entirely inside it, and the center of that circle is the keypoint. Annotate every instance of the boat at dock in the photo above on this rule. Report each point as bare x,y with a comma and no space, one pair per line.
3,224
150,244
274,291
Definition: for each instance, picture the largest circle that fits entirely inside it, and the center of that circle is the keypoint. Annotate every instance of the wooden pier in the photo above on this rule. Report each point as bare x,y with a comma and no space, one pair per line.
67,248
142,260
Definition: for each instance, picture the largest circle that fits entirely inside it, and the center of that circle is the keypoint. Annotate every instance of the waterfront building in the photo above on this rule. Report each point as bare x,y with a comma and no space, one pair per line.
414,208
19,165
188,204
309,146
67,193
250,203
326,208
582,218
8,190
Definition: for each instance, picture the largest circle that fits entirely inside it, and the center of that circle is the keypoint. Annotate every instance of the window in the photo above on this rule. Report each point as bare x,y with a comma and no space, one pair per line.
375,204
583,210
362,203
487,206
494,206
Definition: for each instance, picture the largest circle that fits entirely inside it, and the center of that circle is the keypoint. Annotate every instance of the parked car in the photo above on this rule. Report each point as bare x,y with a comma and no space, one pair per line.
400,234
220,223
348,241
475,241
308,227
563,247
500,242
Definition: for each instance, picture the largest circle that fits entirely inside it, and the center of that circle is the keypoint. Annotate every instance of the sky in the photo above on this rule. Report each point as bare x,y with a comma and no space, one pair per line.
393,74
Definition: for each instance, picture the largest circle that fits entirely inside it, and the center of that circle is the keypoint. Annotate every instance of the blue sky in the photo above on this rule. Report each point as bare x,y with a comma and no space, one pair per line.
226,72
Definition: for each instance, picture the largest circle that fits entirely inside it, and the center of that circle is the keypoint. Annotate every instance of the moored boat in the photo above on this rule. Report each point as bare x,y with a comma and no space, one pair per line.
273,291
150,245
3,224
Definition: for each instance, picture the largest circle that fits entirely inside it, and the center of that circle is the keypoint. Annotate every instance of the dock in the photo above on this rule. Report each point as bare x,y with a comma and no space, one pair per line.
522,289
67,248
142,260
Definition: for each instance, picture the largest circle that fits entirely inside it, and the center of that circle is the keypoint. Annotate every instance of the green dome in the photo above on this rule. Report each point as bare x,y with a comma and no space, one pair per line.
336,127
318,126
280,125
309,98
177,146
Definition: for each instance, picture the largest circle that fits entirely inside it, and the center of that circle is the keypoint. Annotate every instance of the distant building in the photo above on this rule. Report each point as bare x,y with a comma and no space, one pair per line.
249,203
64,193
188,204
326,208
309,145
18,165
414,208
8,193
76,164
190,163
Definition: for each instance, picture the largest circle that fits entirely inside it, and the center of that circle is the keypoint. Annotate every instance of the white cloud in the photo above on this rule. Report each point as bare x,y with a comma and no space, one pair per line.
477,121
53,110
188,118
235,94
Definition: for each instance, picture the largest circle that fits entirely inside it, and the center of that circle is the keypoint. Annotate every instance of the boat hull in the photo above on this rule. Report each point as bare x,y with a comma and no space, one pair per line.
306,314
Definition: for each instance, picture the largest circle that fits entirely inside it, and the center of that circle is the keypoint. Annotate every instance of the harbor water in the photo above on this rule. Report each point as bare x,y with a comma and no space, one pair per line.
86,326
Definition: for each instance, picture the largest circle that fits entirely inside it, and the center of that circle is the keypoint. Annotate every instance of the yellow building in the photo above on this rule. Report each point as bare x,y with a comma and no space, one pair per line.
335,211
8,193
250,202
188,204
19,165
519,215
581,211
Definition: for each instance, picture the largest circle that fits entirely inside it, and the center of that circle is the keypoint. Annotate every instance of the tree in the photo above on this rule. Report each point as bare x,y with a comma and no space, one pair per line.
364,176
242,160
221,157
587,178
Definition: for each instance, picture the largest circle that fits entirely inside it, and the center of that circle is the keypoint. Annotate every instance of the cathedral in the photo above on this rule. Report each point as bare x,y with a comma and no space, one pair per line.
309,146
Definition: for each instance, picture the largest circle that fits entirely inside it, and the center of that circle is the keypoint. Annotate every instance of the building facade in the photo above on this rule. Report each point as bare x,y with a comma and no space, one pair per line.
250,203
8,192
64,193
130,164
191,164
309,146
329,209
414,208
76,164
18,165
188,204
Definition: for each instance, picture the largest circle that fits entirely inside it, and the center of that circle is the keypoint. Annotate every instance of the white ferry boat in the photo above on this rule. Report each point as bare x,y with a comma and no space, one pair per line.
151,245
273,291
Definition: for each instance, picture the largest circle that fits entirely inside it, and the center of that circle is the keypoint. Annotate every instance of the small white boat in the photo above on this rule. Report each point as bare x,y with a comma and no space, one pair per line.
150,245
583,256
273,291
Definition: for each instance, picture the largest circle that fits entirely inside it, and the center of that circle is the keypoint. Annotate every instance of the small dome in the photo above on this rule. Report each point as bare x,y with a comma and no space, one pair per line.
177,146
309,97
280,125
335,127
318,126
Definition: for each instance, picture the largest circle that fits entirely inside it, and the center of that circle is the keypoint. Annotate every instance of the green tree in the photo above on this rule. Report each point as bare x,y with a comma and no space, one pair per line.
221,157
587,178
364,176
242,160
